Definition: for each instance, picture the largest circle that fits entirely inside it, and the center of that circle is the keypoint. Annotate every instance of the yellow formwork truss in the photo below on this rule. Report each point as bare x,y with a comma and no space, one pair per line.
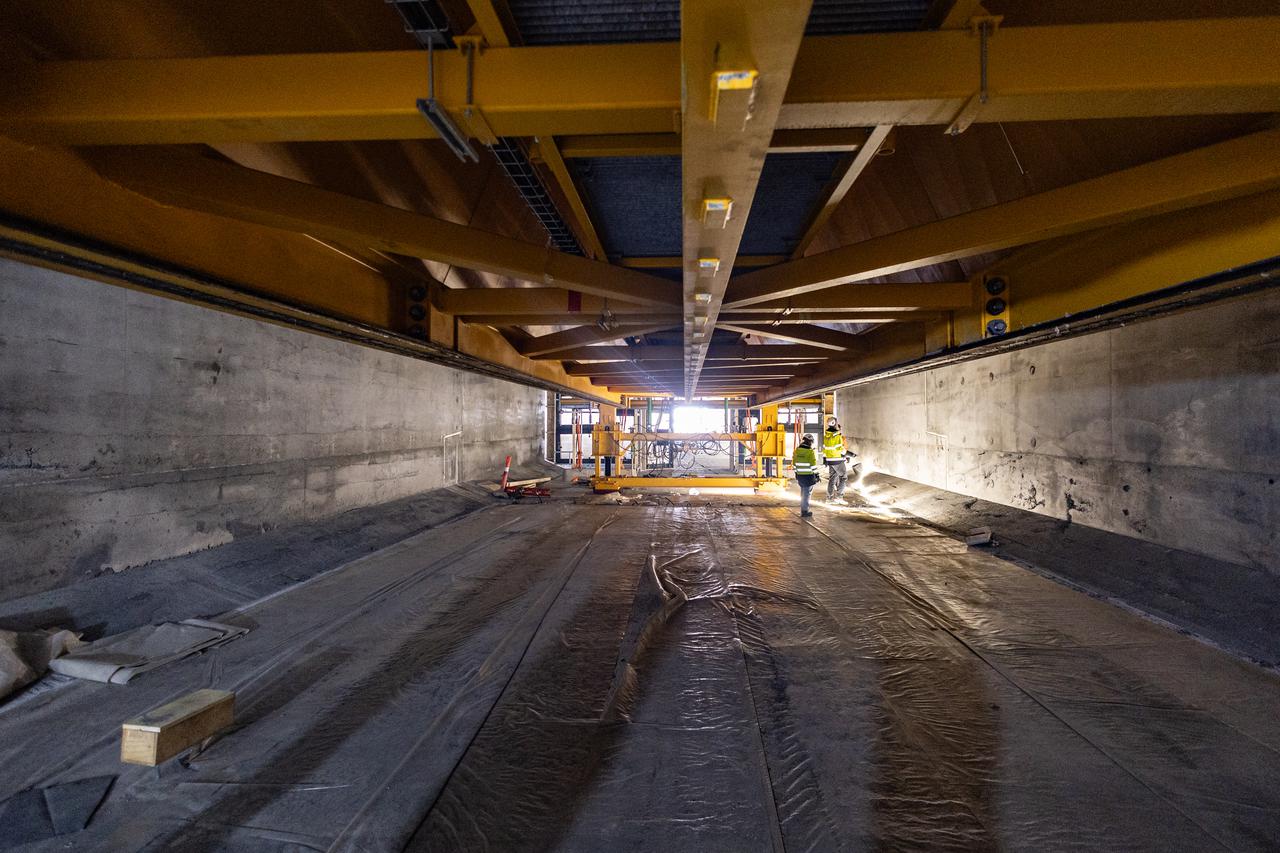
769,442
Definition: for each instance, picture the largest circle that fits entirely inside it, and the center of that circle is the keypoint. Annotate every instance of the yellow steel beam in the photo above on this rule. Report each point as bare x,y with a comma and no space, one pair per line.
857,298
672,320
841,186
328,286
1229,169
616,369
490,22
528,300
736,58
613,484
1036,73
818,336
718,368
850,303
199,183
550,155
801,140
1044,73
1060,278
277,300
620,145
305,97
727,352
668,320
569,339
675,261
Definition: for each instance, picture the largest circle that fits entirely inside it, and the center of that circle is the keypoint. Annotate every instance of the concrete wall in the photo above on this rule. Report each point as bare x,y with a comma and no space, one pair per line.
1167,430
134,427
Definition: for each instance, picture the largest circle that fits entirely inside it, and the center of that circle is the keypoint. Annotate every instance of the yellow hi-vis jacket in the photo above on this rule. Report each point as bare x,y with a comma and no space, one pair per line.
805,461
832,446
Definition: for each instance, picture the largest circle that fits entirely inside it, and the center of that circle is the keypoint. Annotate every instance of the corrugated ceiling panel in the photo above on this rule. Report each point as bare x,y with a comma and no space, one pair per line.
603,21
843,17
635,202
595,21
791,187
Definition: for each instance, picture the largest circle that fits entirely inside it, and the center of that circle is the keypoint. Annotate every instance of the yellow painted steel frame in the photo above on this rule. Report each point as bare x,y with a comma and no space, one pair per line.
769,440
614,484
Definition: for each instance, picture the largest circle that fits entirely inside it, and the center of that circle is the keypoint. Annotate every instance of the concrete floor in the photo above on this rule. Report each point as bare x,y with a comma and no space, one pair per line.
515,679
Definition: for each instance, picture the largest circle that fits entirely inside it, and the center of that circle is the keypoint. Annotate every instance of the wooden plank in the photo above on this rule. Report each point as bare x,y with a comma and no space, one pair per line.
163,732
514,484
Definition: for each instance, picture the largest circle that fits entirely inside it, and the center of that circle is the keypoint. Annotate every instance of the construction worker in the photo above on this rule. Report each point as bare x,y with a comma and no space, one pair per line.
805,464
833,454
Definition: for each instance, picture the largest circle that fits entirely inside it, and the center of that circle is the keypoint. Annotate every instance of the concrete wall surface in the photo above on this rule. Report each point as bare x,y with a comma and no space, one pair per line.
135,428
1167,430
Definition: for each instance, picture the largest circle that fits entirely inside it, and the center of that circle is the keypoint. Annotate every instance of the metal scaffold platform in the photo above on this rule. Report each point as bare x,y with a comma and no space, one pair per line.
756,458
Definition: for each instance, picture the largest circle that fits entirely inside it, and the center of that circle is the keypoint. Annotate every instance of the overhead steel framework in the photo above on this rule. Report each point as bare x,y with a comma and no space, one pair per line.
757,281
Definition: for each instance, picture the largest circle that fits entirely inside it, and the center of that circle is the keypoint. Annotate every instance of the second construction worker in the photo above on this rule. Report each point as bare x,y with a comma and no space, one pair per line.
805,464
833,456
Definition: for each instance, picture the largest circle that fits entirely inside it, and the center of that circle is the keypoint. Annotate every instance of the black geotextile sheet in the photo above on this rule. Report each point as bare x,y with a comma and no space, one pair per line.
681,678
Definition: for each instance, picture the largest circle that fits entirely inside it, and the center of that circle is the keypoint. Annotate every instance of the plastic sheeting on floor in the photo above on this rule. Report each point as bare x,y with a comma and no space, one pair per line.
709,678
116,660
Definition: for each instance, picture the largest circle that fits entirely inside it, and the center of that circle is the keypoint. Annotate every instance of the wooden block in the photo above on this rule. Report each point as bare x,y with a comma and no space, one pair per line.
163,732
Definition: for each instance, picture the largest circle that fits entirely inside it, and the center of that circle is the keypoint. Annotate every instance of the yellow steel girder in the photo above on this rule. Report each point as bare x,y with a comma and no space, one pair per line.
1238,167
818,336
795,318
614,484
794,141
199,183
745,353
736,58
1059,278
1036,73
549,154
244,268
581,336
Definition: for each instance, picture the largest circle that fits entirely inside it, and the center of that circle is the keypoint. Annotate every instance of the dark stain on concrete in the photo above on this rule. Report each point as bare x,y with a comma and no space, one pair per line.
92,563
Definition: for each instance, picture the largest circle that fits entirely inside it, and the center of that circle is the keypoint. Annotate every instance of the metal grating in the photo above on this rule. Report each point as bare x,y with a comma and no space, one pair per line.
604,21
635,203
595,21
846,17
517,166
791,188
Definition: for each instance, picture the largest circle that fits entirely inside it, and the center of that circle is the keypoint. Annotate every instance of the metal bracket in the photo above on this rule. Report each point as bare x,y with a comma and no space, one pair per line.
982,26
435,113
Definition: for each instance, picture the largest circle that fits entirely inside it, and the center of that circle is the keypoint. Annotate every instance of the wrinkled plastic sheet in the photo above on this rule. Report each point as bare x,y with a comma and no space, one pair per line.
685,678
118,659
41,813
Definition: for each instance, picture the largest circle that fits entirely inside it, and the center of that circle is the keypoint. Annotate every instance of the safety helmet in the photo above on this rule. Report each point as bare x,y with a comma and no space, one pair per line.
806,439
831,421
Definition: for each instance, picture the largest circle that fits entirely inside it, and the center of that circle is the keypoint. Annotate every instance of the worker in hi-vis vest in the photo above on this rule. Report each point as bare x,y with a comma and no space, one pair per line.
805,464
833,456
